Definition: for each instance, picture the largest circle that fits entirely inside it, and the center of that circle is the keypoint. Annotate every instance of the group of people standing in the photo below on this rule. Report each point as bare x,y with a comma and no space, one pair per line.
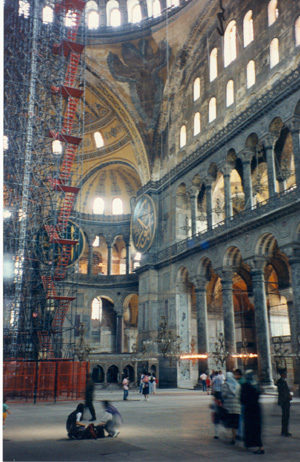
236,405
147,385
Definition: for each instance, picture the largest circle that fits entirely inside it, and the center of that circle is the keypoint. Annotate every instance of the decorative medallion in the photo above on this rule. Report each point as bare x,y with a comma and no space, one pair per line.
143,224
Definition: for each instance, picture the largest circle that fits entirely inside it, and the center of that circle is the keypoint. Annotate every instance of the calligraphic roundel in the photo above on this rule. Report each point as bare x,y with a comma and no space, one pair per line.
143,224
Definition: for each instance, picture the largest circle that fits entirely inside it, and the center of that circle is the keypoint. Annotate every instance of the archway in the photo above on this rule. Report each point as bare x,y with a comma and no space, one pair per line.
113,374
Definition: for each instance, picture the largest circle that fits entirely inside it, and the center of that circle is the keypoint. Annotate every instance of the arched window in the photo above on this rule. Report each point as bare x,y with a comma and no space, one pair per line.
93,20
92,16
172,3
250,73
5,142
274,52
154,8
96,313
229,93
57,147
113,14
47,15
248,28
134,11
297,32
136,14
197,123
24,8
98,206
182,137
272,12
213,64
98,140
96,242
70,19
212,109
230,43
117,206
196,93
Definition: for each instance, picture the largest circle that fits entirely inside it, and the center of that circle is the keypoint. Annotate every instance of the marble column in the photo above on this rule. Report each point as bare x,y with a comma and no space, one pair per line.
296,151
247,183
109,246
228,316
119,334
262,327
227,193
208,191
269,148
193,197
294,262
90,259
202,325
127,258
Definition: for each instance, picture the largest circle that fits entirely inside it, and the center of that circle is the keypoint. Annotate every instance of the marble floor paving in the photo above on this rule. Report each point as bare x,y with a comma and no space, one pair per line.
173,425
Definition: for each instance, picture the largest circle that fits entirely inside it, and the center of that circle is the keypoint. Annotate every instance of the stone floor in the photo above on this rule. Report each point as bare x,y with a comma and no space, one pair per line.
174,425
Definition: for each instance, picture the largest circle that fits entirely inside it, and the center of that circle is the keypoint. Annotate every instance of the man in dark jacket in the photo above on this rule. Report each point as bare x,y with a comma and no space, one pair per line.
284,399
89,396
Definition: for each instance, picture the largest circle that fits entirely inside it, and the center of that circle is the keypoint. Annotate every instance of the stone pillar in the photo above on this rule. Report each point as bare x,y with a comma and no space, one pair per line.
269,148
227,193
144,9
193,197
109,246
296,151
119,334
294,262
262,327
102,13
208,192
90,259
127,258
247,182
124,13
228,316
202,326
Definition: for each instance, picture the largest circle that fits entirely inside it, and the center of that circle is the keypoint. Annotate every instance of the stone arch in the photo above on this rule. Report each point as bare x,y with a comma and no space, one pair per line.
128,371
113,374
98,374
251,141
276,126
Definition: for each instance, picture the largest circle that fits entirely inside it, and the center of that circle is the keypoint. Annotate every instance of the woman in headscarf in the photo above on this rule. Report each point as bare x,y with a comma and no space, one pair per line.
231,401
252,413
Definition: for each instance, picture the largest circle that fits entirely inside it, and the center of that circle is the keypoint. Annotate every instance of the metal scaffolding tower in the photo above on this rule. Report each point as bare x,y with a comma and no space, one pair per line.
44,70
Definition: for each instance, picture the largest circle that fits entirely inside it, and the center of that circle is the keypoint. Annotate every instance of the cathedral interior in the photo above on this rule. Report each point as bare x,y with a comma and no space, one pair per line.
151,172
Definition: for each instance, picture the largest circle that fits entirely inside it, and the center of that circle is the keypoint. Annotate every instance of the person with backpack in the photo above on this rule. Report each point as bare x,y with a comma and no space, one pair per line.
75,427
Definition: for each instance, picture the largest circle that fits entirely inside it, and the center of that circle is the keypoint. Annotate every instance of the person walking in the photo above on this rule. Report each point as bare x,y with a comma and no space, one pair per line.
284,401
252,413
89,396
203,377
125,385
146,386
231,391
216,385
5,411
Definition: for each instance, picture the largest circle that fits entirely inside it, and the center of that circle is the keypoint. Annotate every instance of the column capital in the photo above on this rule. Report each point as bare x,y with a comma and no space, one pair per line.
193,191
256,263
268,140
246,154
293,124
292,252
226,169
199,282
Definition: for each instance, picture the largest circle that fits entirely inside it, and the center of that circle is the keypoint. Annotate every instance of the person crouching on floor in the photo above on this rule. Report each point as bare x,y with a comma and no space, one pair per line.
112,419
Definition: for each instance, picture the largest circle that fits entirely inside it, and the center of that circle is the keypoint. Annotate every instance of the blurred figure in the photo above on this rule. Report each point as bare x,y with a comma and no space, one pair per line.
146,386
216,385
89,396
75,428
238,375
5,411
208,383
112,419
284,401
252,413
215,416
231,392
